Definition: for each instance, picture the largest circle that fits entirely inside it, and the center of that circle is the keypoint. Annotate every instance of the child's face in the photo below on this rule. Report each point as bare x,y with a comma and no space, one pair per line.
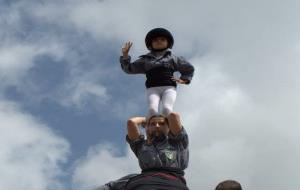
159,43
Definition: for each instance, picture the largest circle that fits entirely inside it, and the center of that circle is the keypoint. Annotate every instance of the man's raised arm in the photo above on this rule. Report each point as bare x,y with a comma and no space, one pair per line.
174,123
133,127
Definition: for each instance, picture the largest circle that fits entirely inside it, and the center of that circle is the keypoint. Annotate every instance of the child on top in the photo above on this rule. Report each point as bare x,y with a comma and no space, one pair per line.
159,66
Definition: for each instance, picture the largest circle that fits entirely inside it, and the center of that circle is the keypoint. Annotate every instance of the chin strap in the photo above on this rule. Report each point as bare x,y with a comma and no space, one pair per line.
158,50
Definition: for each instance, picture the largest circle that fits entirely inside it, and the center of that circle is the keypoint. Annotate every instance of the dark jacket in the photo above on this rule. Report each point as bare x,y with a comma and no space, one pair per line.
171,152
159,70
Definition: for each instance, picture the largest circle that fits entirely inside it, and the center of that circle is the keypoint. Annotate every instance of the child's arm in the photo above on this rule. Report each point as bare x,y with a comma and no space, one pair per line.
137,67
186,70
125,49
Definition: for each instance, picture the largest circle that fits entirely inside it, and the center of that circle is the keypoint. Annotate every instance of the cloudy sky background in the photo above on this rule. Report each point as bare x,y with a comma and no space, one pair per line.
64,100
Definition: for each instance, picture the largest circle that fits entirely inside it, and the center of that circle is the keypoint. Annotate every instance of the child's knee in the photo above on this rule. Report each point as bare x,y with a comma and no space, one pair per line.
152,111
167,110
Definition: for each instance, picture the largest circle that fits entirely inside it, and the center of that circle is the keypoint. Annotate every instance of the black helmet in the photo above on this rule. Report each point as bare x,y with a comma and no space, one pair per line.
157,32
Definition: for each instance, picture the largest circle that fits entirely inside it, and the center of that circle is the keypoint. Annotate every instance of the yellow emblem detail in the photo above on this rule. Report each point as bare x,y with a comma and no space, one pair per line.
170,155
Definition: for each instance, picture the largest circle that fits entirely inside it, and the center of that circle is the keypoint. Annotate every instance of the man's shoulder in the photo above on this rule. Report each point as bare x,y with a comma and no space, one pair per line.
139,140
182,132
180,138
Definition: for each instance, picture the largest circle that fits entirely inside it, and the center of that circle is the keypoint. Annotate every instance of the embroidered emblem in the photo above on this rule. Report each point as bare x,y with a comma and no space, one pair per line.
170,155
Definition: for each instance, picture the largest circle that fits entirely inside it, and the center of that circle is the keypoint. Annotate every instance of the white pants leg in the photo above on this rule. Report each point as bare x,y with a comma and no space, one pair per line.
165,94
153,98
168,100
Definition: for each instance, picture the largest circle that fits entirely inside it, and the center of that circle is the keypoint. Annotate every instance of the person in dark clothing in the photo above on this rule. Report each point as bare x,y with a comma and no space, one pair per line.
162,156
229,185
159,66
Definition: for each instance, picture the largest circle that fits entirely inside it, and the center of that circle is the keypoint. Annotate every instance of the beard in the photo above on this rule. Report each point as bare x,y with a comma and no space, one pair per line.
157,136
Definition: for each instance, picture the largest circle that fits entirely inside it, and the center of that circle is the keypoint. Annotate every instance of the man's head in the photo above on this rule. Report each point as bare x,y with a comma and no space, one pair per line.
159,39
229,185
157,126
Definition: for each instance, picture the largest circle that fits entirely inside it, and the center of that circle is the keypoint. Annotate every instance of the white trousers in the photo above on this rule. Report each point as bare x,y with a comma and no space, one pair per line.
166,95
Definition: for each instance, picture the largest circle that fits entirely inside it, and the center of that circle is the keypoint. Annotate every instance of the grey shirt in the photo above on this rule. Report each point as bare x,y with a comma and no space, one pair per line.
172,152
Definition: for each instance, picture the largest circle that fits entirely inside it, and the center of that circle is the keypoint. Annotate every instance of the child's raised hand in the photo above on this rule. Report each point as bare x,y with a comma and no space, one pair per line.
180,81
126,48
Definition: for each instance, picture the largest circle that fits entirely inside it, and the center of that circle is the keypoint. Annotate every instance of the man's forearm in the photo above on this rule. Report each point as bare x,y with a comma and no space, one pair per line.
138,120
174,123
133,127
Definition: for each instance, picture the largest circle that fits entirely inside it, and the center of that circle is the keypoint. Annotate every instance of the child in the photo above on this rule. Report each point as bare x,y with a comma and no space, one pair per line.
159,66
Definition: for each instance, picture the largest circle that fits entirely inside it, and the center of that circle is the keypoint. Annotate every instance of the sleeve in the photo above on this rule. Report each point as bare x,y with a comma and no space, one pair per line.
185,68
181,138
135,145
137,67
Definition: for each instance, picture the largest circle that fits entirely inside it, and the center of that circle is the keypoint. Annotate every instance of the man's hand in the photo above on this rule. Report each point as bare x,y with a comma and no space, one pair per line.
180,81
126,48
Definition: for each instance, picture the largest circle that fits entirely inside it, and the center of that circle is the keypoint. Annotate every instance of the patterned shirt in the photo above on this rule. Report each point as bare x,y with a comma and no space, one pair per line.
171,152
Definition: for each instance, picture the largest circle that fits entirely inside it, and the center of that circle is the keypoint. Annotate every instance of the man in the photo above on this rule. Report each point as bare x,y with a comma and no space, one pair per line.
162,156
229,185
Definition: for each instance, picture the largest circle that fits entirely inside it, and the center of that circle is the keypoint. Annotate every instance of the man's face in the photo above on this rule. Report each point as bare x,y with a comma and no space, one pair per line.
157,126
159,43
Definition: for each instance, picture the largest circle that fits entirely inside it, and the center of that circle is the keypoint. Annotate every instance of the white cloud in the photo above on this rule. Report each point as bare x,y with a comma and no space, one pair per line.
235,136
102,165
242,110
30,153
17,58
18,55
84,91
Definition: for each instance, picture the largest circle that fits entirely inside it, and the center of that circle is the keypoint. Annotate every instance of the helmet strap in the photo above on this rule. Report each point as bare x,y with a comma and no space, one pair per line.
159,50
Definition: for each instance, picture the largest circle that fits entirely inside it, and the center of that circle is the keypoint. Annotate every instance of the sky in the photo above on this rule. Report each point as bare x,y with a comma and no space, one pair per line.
64,100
